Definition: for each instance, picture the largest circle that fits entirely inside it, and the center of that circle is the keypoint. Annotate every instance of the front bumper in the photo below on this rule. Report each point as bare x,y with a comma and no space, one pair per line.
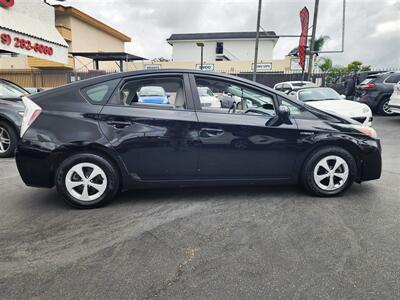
371,160
394,108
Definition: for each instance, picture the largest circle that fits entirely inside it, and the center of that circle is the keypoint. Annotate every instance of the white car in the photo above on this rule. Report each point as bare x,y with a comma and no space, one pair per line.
289,86
394,103
329,100
207,98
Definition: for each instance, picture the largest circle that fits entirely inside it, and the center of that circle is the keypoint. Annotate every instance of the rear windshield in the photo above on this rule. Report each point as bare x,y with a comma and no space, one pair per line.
368,80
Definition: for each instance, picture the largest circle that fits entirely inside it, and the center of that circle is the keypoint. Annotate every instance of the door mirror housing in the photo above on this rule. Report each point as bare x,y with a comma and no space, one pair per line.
284,112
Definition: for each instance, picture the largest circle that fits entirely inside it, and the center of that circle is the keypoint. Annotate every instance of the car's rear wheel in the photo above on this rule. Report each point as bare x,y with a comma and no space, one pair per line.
8,140
87,180
329,171
384,108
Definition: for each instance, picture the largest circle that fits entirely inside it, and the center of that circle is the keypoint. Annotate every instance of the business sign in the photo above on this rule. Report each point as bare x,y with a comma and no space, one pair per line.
6,3
262,67
304,18
206,67
152,67
17,42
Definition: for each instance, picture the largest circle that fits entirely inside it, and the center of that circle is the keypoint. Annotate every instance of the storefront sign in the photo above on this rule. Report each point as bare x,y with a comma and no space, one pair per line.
18,42
6,3
206,67
262,67
152,67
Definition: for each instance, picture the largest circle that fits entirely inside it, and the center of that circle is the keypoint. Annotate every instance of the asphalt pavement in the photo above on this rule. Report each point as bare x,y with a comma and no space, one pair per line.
271,242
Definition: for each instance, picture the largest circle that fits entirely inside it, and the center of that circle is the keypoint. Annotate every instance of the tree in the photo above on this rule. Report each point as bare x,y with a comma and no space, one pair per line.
319,42
325,64
357,66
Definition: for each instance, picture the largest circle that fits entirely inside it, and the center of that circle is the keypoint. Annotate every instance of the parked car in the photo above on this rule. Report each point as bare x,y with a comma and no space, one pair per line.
329,100
153,94
289,86
11,111
207,98
33,90
375,91
91,147
394,103
340,85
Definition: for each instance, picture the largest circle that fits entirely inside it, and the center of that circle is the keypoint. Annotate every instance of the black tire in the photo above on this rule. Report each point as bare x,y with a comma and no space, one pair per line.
111,173
10,132
307,175
381,107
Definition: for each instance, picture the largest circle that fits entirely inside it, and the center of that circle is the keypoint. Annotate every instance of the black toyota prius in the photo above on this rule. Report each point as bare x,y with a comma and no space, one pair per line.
94,138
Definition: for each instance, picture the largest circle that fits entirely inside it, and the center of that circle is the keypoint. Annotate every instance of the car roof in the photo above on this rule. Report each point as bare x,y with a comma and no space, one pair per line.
121,75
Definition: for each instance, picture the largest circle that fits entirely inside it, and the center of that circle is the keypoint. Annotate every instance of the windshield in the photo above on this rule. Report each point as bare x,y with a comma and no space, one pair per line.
9,90
203,92
318,94
151,91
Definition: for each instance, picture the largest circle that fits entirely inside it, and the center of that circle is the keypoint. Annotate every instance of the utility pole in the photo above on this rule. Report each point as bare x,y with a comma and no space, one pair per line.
314,30
257,41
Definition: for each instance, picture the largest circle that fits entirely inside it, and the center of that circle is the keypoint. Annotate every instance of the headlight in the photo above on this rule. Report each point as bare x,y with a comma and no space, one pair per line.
366,130
366,110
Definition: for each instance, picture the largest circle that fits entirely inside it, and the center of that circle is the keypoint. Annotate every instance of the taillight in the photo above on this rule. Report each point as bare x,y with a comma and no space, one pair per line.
32,111
367,86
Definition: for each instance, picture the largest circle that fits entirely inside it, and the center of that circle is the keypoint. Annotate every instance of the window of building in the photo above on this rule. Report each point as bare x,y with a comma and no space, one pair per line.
228,97
163,92
220,48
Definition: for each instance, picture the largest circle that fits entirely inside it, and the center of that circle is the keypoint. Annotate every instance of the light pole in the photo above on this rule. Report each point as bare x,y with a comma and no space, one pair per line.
201,45
314,30
257,41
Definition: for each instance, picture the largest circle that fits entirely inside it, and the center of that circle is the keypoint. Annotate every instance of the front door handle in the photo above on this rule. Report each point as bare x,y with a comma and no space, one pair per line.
119,124
211,132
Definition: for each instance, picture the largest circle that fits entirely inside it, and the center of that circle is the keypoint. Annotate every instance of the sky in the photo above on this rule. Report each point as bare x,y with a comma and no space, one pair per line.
372,32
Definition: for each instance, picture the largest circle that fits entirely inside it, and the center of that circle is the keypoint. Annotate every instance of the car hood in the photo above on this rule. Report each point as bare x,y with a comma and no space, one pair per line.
341,107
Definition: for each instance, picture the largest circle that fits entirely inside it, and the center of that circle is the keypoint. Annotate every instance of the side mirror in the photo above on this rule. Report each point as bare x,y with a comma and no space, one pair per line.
284,112
343,96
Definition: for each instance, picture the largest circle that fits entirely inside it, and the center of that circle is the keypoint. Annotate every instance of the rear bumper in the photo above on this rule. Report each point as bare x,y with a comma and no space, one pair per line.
371,160
35,166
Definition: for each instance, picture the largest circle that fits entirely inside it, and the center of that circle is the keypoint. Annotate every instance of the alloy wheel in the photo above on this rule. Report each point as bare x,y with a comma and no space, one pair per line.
331,173
86,182
4,140
386,109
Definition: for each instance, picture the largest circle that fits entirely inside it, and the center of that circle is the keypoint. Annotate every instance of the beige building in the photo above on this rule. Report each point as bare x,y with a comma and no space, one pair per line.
83,33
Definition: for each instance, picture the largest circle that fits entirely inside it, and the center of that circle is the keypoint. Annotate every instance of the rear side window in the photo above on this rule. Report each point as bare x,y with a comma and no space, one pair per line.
395,78
100,93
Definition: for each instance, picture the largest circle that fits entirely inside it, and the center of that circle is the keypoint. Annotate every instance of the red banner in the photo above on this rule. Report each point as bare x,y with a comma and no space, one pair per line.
304,17
6,3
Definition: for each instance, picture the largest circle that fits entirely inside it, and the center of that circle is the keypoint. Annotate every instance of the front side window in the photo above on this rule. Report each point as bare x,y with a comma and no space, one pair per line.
228,97
163,92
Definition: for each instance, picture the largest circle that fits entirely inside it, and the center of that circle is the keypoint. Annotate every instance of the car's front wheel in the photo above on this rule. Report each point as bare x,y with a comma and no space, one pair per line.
87,180
8,140
329,171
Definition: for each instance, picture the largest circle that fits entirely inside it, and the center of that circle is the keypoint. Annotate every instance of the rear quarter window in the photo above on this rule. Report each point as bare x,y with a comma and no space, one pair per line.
100,93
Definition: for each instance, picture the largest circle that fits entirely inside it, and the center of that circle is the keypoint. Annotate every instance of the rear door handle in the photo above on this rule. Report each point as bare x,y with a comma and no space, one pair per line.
119,124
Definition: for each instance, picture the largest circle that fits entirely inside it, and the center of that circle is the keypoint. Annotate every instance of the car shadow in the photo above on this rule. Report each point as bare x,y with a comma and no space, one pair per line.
51,200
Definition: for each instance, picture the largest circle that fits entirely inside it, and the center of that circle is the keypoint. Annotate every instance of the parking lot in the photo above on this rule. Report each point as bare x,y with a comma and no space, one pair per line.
208,243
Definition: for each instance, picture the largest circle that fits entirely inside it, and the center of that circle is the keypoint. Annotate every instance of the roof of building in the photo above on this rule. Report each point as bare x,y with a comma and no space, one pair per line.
108,56
92,21
221,36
